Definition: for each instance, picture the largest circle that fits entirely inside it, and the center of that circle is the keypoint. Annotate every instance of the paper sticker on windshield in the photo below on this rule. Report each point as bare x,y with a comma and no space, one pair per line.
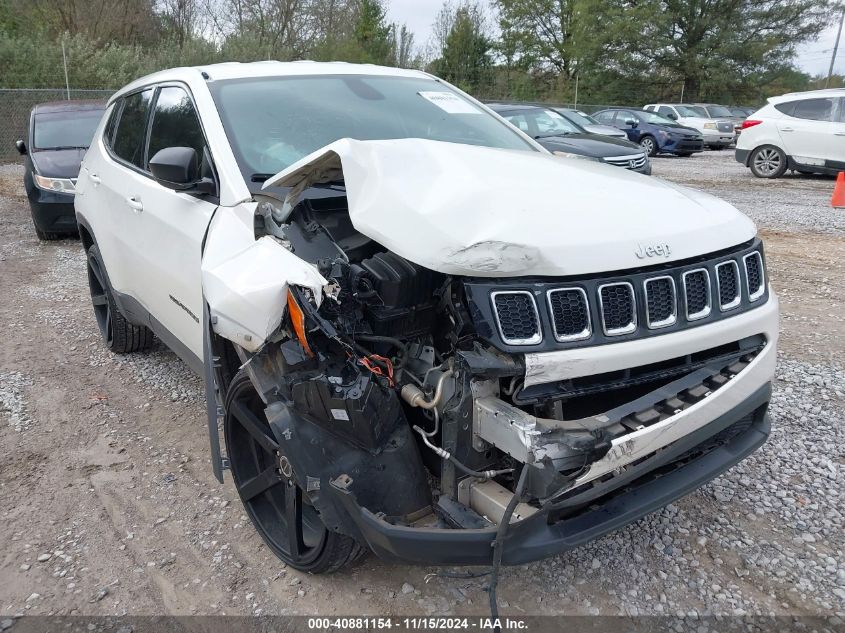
449,102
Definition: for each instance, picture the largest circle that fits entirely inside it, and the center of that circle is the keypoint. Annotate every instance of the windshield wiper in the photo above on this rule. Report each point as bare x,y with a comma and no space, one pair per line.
317,185
64,147
539,136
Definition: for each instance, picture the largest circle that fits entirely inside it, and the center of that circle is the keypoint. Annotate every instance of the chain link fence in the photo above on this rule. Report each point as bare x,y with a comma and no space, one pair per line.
15,106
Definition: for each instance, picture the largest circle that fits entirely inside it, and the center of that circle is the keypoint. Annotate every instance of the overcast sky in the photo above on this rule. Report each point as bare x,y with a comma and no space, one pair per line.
812,57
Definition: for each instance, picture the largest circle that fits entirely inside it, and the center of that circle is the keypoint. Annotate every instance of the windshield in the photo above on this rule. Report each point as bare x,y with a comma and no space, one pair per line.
692,111
540,122
581,118
656,119
718,111
65,130
272,122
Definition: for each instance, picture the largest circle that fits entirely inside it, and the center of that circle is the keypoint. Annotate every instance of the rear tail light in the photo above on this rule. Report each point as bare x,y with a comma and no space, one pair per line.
750,123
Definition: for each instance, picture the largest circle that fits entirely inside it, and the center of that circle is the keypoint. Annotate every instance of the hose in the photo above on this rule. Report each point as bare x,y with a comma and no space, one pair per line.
415,397
480,474
498,543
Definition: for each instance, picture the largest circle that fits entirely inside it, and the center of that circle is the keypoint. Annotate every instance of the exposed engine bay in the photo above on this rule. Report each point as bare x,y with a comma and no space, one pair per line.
394,377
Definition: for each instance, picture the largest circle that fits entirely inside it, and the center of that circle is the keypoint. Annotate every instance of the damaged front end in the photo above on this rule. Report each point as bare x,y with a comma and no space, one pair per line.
407,417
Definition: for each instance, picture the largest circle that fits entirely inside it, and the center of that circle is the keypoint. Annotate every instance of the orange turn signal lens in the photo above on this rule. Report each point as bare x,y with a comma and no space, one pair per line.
297,318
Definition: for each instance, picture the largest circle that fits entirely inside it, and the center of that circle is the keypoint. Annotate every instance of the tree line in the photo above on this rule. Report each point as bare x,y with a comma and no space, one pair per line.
592,51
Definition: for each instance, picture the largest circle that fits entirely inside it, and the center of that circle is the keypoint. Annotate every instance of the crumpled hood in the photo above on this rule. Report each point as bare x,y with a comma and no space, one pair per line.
477,211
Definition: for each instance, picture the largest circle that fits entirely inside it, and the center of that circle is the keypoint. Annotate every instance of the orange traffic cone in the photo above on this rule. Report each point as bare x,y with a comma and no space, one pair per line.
838,199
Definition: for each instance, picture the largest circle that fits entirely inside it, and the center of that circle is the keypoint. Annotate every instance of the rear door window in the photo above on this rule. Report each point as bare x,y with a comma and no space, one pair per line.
814,109
175,123
130,137
665,111
605,117
108,132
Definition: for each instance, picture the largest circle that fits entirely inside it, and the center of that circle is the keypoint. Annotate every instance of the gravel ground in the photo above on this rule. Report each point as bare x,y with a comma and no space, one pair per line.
108,505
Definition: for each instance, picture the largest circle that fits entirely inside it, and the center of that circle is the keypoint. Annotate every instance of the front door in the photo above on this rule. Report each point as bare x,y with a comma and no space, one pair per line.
172,227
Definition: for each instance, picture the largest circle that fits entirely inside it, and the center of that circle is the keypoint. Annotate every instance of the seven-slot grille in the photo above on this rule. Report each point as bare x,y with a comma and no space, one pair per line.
618,308
570,313
754,275
595,312
516,314
661,302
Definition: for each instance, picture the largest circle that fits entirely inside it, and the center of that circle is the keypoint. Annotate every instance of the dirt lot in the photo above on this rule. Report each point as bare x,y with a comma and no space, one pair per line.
108,505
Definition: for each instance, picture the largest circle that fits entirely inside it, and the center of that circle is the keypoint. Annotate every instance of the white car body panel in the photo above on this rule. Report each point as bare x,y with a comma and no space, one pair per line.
545,367
246,280
452,208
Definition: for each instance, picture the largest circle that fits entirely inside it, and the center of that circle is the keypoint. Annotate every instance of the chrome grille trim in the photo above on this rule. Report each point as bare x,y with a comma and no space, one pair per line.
654,325
733,303
538,336
621,330
753,296
694,316
585,333
632,161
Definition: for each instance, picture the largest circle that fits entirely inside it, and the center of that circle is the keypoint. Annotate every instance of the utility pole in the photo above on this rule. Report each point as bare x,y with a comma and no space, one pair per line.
64,61
835,49
575,105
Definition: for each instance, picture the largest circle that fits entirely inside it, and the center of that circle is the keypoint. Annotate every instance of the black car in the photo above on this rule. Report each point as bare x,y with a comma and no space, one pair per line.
58,136
564,137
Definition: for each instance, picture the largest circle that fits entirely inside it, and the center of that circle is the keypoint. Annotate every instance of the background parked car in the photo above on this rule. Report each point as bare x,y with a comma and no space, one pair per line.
741,111
802,131
589,123
718,133
558,134
58,136
654,133
715,111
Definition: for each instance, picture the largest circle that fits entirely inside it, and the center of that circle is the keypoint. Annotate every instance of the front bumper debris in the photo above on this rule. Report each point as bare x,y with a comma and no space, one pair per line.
570,523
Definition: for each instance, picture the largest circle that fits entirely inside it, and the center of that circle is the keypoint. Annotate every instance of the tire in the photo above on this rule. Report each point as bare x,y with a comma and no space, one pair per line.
119,335
767,161
649,144
47,236
269,492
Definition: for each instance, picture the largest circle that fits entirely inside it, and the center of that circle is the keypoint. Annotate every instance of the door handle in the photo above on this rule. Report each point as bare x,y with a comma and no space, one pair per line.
95,179
839,133
786,129
135,204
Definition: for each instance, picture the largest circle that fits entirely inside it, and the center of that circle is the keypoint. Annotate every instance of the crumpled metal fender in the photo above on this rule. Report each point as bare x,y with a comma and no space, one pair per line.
245,281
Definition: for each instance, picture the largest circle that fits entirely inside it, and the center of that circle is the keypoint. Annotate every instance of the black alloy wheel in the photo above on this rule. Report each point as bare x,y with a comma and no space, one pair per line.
273,499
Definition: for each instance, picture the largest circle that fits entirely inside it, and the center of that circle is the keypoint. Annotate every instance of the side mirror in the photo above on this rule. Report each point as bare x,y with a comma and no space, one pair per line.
672,116
178,168
21,147
631,122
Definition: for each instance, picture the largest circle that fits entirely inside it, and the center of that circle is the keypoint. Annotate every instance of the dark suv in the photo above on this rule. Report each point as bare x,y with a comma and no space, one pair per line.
58,136
655,133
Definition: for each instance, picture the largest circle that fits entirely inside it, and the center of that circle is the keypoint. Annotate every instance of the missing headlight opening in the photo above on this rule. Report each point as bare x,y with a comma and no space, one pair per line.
469,412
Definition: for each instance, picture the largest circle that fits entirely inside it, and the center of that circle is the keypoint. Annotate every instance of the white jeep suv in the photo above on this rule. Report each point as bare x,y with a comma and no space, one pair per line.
801,131
718,133
421,334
